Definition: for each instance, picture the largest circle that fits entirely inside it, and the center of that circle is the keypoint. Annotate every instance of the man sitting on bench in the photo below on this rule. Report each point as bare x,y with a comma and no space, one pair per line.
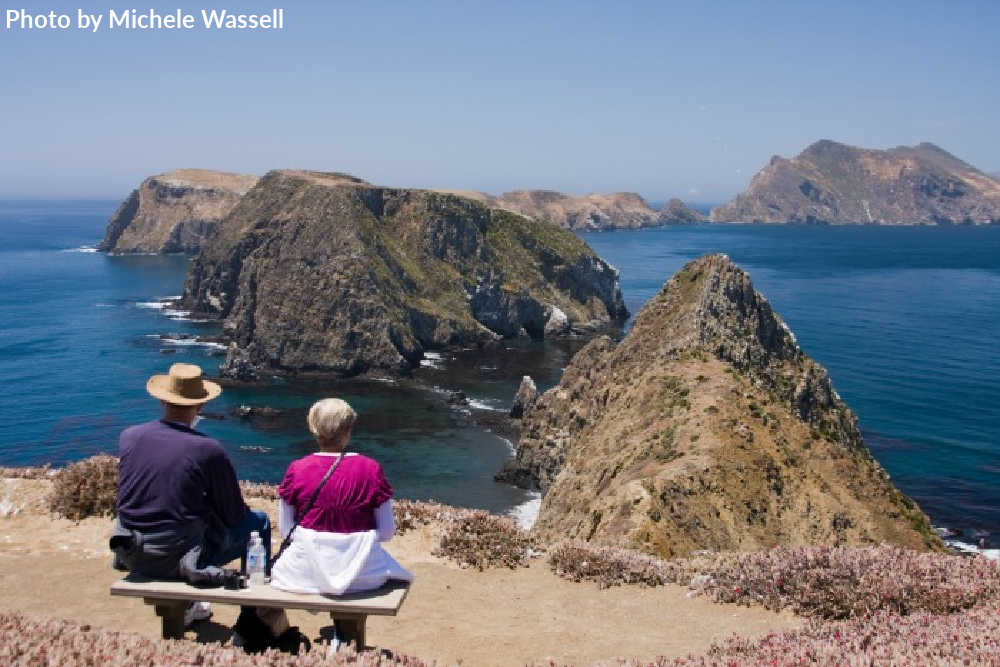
181,514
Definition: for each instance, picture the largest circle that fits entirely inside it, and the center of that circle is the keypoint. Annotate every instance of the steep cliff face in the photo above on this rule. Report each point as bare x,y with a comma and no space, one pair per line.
174,212
677,212
326,273
707,427
835,183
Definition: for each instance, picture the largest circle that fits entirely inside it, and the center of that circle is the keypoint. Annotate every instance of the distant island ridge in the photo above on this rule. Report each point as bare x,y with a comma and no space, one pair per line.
833,183
177,210
827,183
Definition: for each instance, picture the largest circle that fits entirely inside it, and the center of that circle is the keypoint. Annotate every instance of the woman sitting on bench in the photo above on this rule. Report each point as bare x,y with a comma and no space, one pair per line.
336,547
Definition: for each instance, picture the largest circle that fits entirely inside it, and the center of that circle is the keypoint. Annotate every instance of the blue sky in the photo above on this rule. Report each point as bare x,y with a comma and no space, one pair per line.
665,99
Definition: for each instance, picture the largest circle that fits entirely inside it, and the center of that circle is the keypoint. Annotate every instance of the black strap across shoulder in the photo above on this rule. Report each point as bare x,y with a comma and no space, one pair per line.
298,519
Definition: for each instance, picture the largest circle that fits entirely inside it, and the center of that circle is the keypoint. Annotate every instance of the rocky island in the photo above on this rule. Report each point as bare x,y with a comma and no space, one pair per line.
619,210
593,212
176,211
677,212
325,273
833,183
173,212
707,427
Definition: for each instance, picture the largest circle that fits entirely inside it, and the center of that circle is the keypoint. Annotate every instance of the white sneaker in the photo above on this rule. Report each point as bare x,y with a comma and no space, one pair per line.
197,611
334,645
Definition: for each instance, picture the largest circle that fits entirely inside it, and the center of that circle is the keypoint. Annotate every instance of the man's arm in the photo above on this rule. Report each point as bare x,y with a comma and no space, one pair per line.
223,493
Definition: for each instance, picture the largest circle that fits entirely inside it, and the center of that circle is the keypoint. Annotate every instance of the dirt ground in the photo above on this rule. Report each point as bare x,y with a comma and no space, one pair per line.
59,568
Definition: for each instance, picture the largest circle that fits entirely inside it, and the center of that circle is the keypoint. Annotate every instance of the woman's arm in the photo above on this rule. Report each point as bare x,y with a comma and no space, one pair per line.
385,521
286,517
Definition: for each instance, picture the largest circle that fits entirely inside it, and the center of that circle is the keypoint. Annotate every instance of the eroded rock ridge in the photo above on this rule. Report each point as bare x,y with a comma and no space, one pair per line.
707,427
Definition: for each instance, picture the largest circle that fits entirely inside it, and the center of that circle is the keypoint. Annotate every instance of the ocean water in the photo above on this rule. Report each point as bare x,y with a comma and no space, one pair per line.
905,320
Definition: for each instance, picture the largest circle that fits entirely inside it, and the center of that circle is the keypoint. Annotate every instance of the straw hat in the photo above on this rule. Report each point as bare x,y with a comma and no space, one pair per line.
183,385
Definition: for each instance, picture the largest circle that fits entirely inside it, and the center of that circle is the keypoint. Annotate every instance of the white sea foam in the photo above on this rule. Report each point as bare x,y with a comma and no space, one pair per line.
188,342
432,360
509,443
83,248
486,404
526,513
966,548
165,304
161,304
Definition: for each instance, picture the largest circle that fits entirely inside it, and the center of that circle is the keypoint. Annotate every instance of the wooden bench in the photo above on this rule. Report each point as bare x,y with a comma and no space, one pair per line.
171,597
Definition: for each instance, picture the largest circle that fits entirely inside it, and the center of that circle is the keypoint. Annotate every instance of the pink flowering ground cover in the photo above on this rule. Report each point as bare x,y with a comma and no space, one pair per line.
36,642
826,582
883,638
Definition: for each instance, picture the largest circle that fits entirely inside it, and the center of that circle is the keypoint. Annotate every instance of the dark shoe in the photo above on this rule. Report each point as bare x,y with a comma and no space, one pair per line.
291,641
196,611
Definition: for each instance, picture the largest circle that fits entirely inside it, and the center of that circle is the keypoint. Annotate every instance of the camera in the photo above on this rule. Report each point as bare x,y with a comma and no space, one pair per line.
233,580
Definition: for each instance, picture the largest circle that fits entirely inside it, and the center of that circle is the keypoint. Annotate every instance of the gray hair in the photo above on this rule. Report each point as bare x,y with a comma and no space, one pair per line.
330,417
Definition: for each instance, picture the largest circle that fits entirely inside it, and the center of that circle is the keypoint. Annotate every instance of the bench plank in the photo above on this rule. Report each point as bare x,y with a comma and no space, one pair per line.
384,601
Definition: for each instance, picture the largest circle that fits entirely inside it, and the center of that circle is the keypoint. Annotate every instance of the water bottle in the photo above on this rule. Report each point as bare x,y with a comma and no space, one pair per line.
256,557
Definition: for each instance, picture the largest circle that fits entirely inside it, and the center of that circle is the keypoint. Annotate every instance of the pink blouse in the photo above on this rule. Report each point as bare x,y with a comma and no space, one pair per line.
349,498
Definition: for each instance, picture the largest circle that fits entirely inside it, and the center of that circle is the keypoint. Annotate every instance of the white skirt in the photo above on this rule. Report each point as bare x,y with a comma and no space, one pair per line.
335,563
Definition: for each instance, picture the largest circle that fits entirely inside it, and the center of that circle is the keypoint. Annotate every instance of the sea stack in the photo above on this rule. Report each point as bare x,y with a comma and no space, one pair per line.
833,183
174,212
707,427
325,273
677,212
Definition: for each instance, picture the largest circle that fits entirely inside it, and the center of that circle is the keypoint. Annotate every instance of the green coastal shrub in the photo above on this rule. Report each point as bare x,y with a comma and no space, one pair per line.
86,488
483,540
40,472
258,490
412,514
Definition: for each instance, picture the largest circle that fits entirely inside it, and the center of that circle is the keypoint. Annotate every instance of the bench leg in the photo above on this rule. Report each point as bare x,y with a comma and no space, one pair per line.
171,613
353,627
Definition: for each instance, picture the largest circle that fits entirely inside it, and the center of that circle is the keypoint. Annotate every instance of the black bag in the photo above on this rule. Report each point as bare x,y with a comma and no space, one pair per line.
257,636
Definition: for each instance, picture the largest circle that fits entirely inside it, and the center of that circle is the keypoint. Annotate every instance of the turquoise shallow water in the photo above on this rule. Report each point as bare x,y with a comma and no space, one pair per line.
905,320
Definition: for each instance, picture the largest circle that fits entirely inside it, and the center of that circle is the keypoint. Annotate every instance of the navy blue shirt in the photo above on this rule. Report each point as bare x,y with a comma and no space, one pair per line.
170,475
